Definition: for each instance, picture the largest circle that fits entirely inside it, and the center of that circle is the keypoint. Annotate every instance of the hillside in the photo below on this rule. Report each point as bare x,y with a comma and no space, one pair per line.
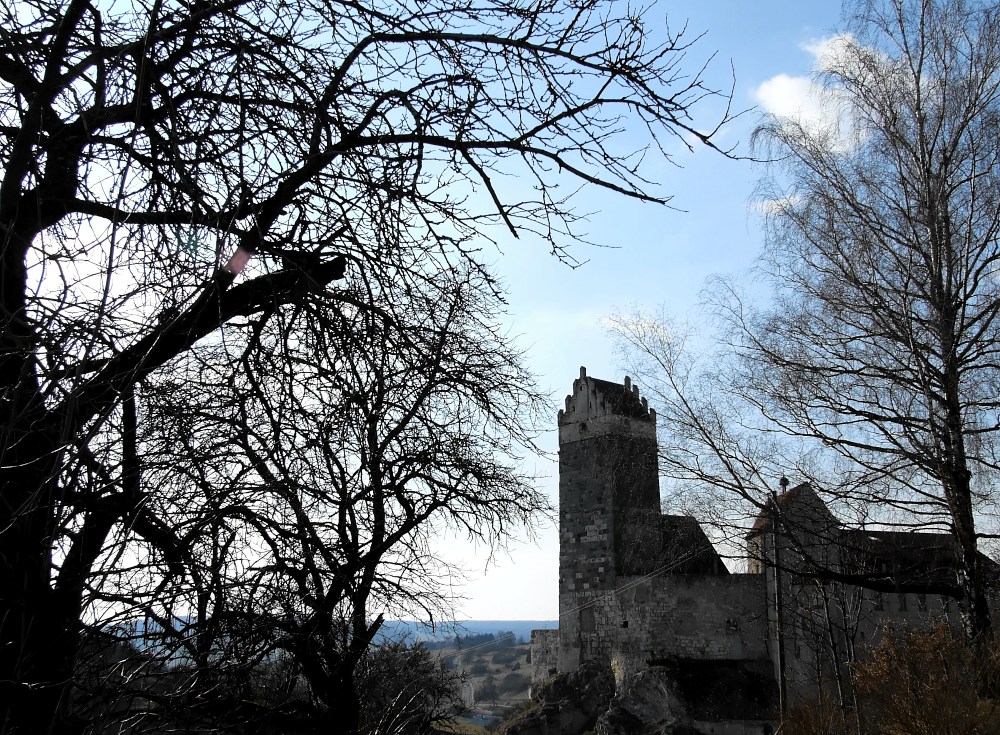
497,677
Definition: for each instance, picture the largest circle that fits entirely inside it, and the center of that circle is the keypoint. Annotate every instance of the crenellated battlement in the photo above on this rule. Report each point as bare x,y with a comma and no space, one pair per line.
597,407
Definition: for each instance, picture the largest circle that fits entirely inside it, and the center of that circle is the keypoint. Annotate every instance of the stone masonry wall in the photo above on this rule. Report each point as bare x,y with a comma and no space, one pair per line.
712,617
607,473
684,615
544,654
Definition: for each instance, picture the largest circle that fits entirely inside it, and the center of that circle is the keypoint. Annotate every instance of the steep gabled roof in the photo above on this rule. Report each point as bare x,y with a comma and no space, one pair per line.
909,556
684,540
799,502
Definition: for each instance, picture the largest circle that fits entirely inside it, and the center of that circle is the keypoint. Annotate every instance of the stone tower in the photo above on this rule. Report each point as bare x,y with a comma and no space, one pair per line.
609,501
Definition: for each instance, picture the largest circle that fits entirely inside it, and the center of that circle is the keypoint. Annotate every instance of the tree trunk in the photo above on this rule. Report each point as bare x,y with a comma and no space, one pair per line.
38,625
976,618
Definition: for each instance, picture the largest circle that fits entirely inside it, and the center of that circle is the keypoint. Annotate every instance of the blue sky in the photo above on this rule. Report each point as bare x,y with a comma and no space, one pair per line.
655,257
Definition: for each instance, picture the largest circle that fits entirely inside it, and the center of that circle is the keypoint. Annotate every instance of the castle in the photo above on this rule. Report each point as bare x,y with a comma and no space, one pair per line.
639,588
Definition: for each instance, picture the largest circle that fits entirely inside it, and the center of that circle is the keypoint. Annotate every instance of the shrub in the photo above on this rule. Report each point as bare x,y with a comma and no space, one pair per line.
504,658
514,684
929,682
405,689
487,690
824,718
913,682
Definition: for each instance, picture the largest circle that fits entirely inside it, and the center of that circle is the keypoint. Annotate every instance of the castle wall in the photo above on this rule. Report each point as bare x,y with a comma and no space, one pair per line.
544,653
586,533
669,616
807,621
711,617
586,524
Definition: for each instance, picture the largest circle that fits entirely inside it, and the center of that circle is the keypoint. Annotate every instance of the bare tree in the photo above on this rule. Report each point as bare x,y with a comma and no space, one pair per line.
718,455
333,478
143,145
412,691
874,362
883,341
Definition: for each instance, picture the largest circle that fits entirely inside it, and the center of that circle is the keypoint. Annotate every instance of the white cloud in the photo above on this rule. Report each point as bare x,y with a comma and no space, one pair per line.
830,52
801,100
791,97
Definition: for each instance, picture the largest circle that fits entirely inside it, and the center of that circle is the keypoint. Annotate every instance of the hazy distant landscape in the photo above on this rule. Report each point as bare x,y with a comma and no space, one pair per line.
492,657
413,632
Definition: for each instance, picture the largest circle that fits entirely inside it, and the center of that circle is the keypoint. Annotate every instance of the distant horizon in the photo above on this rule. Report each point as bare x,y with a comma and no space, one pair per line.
416,630
474,620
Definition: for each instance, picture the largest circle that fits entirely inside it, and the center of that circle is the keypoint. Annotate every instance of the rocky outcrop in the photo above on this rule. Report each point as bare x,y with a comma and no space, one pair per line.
674,698
566,704
647,704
